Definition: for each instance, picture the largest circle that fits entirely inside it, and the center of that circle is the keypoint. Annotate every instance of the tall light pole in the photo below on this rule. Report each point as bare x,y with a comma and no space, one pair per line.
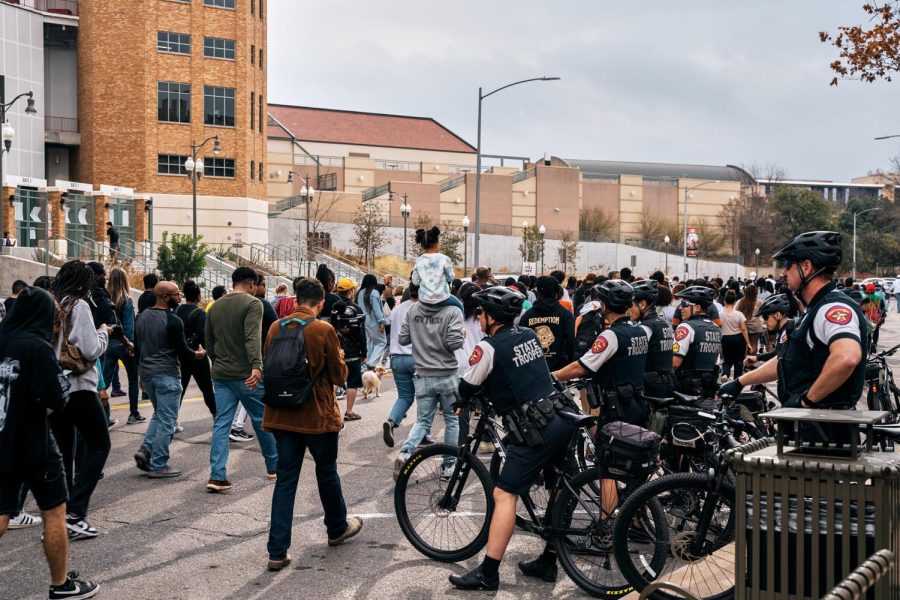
757,261
481,98
667,239
194,167
307,192
543,231
7,134
465,224
855,215
687,193
405,210
524,241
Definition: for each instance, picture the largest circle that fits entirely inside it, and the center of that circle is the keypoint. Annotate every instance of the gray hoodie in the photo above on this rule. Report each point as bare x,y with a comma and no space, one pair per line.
435,334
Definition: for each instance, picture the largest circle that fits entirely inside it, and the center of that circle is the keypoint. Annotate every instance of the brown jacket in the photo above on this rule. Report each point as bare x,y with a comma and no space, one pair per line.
321,414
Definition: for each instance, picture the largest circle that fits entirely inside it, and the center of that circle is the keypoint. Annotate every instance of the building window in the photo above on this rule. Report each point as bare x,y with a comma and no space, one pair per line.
218,48
260,58
219,3
173,102
218,167
260,171
252,169
261,113
327,182
176,43
170,164
252,7
218,106
253,111
261,10
252,54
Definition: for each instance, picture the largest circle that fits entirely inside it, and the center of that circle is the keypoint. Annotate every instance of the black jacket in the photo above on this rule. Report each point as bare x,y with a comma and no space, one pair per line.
554,326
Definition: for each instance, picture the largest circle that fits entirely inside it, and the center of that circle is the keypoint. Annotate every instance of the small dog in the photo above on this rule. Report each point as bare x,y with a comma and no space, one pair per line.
371,385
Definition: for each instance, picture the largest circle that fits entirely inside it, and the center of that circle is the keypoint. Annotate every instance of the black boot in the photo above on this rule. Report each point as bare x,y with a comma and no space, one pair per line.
543,567
475,580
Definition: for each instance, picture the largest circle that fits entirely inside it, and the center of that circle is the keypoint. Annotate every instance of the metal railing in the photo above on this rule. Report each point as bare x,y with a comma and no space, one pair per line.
396,165
60,124
323,161
374,192
449,184
523,175
866,575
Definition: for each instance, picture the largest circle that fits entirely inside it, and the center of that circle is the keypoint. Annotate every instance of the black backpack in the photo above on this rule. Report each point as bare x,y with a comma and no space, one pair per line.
288,383
591,326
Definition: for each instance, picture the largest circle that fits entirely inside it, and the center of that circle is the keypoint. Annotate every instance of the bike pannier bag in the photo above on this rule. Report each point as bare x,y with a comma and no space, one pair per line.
627,450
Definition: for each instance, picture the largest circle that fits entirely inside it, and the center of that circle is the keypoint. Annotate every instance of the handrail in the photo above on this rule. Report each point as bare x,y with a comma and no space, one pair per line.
866,575
374,192
523,175
449,184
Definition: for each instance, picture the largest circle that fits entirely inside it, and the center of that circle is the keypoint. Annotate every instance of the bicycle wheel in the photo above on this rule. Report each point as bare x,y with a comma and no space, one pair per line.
704,567
445,531
583,519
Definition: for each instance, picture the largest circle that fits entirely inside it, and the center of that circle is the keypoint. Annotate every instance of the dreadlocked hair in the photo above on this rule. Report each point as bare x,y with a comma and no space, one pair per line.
74,279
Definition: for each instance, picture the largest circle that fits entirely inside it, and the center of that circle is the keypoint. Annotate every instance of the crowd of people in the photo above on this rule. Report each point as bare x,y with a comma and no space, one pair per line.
287,362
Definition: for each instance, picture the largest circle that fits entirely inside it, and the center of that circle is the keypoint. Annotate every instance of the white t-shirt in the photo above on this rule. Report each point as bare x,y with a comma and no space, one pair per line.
472,334
896,288
398,316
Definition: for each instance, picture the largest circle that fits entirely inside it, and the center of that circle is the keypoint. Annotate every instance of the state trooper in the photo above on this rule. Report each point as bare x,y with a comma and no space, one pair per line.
698,344
509,364
659,377
776,313
617,359
821,364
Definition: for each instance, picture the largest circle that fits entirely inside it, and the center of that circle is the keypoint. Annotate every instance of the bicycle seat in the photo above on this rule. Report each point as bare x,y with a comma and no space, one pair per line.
657,403
685,398
578,419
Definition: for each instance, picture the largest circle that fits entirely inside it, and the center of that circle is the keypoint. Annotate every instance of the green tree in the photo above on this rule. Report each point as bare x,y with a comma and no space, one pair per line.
568,250
878,244
452,238
532,244
798,210
181,257
370,230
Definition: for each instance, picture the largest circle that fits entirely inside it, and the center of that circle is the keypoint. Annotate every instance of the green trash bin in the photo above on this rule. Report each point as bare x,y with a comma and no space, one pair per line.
811,515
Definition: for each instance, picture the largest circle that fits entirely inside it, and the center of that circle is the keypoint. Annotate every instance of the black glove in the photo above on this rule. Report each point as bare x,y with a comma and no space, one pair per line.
732,389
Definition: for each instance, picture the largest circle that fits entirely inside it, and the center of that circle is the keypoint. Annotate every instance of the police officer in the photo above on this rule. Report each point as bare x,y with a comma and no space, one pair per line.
617,359
659,378
821,364
698,343
775,312
509,364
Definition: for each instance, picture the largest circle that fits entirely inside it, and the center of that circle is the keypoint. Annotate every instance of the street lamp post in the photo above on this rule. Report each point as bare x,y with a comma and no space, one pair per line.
687,193
7,134
525,242
194,167
855,215
543,231
405,210
481,98
465,224
667,239
757,261
307,192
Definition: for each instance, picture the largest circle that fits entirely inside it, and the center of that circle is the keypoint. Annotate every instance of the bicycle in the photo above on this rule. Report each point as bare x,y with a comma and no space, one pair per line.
692,545
882,392
447,519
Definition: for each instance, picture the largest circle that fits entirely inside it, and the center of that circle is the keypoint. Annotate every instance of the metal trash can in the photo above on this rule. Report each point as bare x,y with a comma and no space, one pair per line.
807,516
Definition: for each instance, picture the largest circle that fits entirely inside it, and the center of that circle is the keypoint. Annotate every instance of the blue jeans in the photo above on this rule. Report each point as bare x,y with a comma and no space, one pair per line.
432,392
291,449
165,396
404,367
897,296
376,344
228,393
114,353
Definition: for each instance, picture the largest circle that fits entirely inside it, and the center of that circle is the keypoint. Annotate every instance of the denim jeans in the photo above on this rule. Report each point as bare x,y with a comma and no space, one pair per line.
432,392
228,393
897,296
291,449
165,396
404,367
114,353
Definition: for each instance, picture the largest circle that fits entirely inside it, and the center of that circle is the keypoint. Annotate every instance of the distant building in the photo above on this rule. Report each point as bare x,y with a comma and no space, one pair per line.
837,193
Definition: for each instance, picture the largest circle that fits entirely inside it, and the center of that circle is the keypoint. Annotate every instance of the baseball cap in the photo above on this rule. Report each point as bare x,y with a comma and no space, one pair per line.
870,288
344,284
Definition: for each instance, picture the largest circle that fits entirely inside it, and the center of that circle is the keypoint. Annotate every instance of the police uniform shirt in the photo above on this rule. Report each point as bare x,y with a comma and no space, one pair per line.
662,342
624,346
704,337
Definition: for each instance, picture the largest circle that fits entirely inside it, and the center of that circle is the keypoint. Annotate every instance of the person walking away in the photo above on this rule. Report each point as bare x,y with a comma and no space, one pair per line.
583,293
352,336
896,291
313,426
194,320
121,343
280,292
875,309
403,367
160,343
553,324
233,336
147,299
370,300
749,305
735,339
17,286
31,386
435,332
433,271
104,313
78,345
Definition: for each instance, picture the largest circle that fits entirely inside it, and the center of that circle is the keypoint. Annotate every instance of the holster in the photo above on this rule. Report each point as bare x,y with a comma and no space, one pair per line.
659,384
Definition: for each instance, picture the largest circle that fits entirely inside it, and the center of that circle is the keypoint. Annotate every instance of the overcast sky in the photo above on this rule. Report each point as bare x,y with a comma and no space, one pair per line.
682,82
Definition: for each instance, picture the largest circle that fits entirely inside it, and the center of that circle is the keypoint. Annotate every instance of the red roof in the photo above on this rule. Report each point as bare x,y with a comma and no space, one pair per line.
364,129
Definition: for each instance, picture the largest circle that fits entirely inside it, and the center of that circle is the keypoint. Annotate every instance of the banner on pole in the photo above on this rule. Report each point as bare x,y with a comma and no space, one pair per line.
693,241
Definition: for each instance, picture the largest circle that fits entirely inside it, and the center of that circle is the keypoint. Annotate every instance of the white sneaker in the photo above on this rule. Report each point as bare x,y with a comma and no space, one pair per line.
399,462
447,471
178,428
23,520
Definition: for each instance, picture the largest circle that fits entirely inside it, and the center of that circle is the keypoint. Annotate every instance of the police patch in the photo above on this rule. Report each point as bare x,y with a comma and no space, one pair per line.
681,333
600,345
477,353
839,315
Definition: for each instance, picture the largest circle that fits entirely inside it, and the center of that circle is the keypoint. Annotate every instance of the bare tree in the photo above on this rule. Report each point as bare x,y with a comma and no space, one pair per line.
597,224
532,244
370,230
568,249
655,228
767,171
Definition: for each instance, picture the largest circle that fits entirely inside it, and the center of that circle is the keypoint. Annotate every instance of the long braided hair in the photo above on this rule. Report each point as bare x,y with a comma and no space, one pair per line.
74,279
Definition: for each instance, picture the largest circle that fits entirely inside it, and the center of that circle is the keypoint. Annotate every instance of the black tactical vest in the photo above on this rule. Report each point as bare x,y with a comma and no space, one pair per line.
519,372
801,365
659,378
590,327
698,373
628,364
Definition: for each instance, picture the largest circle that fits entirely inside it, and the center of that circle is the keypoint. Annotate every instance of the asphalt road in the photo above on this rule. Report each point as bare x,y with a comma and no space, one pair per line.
170,539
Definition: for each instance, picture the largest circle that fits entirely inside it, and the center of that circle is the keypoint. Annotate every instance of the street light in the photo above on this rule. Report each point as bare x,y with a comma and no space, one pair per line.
194,167
405,209
687,194
855,215
307,193
757,261
542,230
481,97
667,239
465,224
8,134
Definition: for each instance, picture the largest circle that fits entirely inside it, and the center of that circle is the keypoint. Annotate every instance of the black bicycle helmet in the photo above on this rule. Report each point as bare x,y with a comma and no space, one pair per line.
502,303
700,295
615,294
346,315
821,248
646,290
772,304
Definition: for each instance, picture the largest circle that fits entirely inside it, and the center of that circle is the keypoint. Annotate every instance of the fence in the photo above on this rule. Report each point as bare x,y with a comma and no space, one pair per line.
59,7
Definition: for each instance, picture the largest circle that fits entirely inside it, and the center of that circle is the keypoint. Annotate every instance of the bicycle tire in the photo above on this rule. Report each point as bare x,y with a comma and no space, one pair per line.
681,495
596,540
423,468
